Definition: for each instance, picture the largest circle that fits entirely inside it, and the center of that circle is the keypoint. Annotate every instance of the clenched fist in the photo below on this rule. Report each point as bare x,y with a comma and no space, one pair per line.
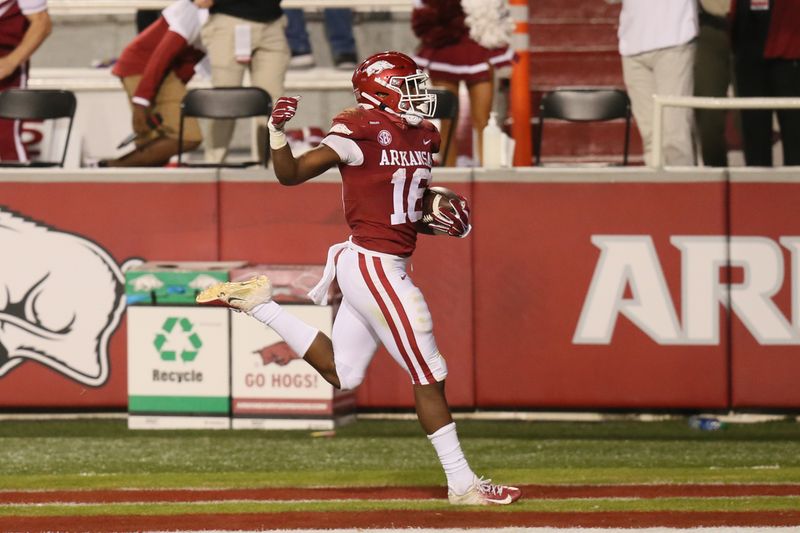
283,111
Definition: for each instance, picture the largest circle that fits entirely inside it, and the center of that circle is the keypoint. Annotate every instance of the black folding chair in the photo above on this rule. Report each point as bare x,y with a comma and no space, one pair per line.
446,108
584,105
38,104
224,103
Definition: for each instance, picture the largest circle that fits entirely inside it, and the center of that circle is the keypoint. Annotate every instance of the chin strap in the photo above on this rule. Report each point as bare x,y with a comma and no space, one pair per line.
411,119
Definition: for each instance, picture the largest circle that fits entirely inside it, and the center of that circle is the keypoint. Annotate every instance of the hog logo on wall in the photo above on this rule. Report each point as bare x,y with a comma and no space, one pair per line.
278,353
61,298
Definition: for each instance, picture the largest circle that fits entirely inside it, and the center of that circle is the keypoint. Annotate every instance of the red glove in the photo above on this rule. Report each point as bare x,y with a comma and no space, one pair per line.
283,111
456,222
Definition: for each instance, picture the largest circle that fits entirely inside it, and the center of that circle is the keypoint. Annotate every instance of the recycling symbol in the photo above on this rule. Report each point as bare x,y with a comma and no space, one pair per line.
170,339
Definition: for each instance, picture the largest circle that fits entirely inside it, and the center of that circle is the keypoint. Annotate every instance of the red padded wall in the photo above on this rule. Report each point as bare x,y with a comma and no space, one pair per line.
533,265
767,375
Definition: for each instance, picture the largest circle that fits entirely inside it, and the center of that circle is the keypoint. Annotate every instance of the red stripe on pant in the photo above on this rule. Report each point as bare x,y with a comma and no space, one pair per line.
401,312
362,265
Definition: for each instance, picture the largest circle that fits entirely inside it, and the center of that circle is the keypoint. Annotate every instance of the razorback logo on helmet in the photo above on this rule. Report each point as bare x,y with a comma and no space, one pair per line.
61,298
378,67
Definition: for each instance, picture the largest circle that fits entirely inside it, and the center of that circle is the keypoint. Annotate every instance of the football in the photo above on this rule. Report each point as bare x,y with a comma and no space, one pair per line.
435,200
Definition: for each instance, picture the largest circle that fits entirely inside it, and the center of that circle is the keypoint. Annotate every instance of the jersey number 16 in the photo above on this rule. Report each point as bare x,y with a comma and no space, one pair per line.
405,203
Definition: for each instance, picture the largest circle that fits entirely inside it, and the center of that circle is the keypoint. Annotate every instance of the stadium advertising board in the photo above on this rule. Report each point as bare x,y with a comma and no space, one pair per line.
623,295
272,386
607,291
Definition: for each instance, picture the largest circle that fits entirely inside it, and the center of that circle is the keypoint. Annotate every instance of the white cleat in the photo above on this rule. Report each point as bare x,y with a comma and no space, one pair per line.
484,492
239,295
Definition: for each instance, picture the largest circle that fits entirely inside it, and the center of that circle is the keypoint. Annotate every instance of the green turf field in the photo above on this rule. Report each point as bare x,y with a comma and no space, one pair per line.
105,454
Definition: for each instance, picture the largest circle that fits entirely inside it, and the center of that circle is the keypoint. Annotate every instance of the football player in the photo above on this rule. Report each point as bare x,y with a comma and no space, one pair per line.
384,151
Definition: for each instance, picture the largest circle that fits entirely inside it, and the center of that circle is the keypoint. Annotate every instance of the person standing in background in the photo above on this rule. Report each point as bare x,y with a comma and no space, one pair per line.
338,30
463,41
766,47
712,77
657,45
24,25
244,35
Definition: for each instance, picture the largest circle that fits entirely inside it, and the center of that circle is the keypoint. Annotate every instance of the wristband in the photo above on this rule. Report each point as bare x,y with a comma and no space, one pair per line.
277,137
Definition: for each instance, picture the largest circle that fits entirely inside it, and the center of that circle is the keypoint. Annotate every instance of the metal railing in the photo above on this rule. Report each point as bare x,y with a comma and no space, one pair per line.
704,102
123,7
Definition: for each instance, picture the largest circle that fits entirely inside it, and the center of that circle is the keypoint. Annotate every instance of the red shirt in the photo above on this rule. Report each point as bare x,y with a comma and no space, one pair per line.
783,39
13,25
170,43
783,36
386,166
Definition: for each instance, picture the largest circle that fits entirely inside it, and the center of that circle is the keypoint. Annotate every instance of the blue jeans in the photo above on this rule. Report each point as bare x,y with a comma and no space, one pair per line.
338,28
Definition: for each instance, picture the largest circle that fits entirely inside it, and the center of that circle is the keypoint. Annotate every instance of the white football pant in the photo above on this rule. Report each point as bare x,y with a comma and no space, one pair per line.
381,304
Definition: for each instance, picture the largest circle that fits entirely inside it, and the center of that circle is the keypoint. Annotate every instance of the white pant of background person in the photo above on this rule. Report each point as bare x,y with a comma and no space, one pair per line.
269,60
372,283
666,71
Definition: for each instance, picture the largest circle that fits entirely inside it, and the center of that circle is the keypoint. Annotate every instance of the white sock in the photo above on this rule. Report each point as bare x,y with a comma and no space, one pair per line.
459,475
297,334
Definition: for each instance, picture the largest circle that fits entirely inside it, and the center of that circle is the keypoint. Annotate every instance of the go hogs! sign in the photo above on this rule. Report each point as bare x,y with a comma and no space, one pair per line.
631,263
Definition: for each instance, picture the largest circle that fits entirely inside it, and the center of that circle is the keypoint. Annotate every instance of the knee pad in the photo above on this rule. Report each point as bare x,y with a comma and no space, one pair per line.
438,366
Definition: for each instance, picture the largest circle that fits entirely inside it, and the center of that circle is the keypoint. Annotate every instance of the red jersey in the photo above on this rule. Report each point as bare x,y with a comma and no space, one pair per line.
13,21
13,26
386,167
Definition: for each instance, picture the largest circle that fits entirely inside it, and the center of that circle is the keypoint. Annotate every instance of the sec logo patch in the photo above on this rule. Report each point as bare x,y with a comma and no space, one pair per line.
385,138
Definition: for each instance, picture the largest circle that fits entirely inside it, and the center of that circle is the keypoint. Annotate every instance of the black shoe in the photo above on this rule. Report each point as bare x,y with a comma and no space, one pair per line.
346,61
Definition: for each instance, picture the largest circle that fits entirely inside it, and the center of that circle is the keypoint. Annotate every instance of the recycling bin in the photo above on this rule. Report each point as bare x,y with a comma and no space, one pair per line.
178,353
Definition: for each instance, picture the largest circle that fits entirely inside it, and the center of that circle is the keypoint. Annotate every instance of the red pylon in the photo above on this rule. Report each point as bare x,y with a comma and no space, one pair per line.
520,86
